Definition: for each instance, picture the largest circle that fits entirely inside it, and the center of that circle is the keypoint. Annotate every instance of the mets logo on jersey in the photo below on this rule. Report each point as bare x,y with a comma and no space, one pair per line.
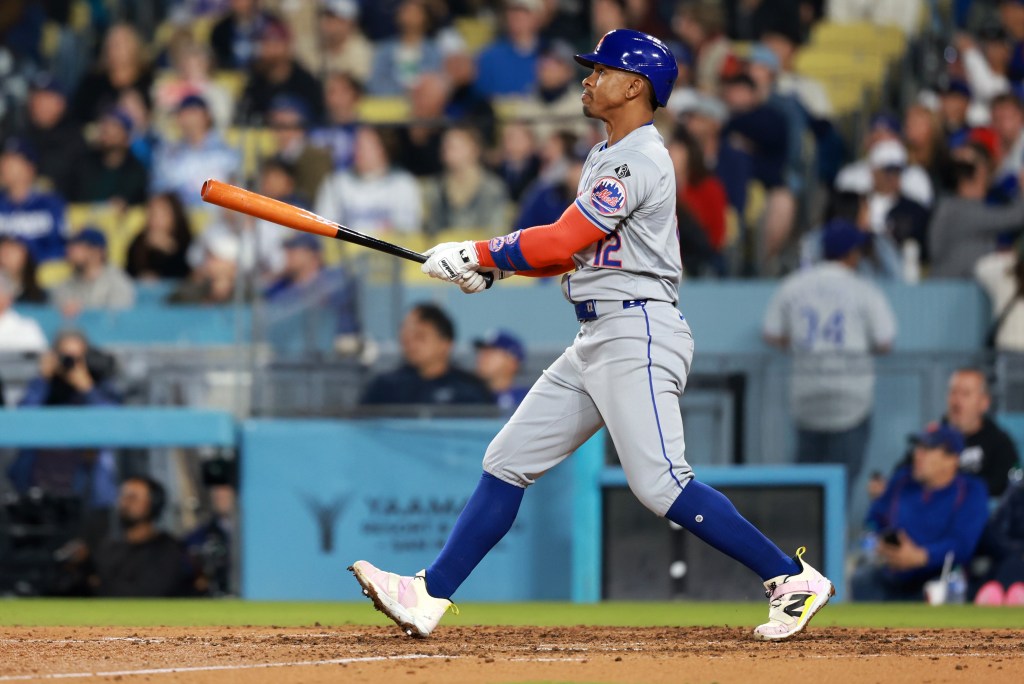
496,243
608,195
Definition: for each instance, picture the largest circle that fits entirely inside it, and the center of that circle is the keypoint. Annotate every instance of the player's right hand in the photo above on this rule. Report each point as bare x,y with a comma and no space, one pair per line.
451,260
472,282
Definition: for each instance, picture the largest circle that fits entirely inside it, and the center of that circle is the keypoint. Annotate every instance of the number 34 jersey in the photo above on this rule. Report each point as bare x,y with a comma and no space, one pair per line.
628,190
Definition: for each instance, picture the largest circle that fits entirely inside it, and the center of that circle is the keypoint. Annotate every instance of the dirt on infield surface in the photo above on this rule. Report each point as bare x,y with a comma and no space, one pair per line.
475,655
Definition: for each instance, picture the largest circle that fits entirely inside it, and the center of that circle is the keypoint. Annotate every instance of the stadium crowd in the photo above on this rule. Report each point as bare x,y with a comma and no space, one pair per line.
420,119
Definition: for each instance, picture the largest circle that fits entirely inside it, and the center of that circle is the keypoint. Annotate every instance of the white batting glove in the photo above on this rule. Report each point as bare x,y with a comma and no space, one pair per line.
472,282
450,260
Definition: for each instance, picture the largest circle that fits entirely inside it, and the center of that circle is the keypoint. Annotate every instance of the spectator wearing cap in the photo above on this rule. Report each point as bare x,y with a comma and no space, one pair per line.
929,510
19,266
111,172
342,47
1008,126
703,116
397,62
289,119
954,102
964,227
499,356
213,280
465,194
337,134
94,283
306,285
832,320
54,134
986,63
17,333
199,153
701,207
235,38
364,197
915,181
554,104
275,72
890,211
35,216
122,66
880,259
508,66
159,251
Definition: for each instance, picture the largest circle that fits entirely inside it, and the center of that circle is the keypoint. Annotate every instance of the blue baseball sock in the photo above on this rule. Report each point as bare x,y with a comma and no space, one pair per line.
706,513
487,517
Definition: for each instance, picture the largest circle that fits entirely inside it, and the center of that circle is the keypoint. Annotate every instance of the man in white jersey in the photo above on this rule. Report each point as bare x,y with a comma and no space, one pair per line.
618,248
832,319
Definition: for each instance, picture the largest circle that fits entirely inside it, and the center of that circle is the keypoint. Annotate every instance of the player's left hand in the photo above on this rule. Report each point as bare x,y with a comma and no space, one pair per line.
472,282
451,260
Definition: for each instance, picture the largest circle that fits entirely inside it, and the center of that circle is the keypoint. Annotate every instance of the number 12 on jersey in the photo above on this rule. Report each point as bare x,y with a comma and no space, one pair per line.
605,249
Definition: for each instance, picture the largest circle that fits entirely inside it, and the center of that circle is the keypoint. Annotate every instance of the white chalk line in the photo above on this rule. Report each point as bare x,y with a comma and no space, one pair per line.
214,668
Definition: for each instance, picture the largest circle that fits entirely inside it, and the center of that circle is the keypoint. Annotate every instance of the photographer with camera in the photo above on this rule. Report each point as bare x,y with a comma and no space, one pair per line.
964,227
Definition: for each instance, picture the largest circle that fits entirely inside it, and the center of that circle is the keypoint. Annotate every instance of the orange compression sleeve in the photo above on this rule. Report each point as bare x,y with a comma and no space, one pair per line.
557,269
540,246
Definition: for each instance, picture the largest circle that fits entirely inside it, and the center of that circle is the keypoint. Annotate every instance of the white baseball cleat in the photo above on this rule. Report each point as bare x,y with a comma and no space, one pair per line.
793,601
403,599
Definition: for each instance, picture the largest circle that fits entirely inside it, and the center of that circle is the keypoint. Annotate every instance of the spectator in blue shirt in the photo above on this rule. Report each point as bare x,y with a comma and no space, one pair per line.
398,62
498,358
509,65
34,216
928,510
543,202
426,375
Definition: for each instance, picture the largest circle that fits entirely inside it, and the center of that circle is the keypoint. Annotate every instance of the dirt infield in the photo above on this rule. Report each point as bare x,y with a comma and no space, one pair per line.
475,655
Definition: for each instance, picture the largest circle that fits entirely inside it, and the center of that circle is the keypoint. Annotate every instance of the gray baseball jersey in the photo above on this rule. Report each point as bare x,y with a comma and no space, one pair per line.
628,190
627,367
833,319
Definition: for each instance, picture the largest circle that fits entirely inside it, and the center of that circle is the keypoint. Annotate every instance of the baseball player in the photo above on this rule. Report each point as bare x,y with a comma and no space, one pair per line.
618,249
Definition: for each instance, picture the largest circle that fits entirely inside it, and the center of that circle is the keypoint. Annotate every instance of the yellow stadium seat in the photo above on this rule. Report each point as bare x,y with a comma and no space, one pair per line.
476,32
757,200
52,273
255,144
376,109
888,41
233,81
508,108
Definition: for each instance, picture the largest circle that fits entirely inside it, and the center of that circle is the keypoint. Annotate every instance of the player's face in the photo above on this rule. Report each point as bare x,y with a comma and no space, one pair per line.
605,90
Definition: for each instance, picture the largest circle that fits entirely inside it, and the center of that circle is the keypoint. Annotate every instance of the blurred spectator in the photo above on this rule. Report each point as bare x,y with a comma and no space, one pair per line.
880,260
193,75
915,181
554,105
35,216
890,211
342,47
399,61
519,162
235,38
465,102
926,149
53,134
465,195
928,510
508,66
200,153
159,251
832,320
779,37
746,19
19,267
73,374
17,333
209,545
289,120
1005,538
545,201
1011,16
94,283
123,65
985,67
701,26
903,14
364,198
954,101
499,356
700,207
145,139
1008,125
275,72
419,142
145,561
111,171
213,281
305,282
989,452
337,134
703,116
606,15
964,228
1001,274
426,375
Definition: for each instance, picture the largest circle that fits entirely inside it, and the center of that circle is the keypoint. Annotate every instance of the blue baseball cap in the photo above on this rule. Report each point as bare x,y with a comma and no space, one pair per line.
886,121
503,340
290,103
46,82
955,86
21,147
192,101
763,55
303,241
121,117
840,237
940,435
91,236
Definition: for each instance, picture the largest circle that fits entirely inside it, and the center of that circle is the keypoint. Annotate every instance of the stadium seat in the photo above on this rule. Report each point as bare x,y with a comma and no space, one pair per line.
379,109
255,144
476,32
52,273
887,41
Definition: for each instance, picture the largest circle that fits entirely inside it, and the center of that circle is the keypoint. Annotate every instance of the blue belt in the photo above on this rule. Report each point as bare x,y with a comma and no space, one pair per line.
592,309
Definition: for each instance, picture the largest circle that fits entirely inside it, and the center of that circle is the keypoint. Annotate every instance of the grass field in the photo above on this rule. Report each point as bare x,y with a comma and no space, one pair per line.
233,612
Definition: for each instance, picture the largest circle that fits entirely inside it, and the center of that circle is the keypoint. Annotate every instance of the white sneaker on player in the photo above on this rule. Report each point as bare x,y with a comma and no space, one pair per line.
793,601
403,599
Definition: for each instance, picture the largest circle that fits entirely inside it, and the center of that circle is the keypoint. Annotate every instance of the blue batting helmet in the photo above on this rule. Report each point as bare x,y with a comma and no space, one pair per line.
638,53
